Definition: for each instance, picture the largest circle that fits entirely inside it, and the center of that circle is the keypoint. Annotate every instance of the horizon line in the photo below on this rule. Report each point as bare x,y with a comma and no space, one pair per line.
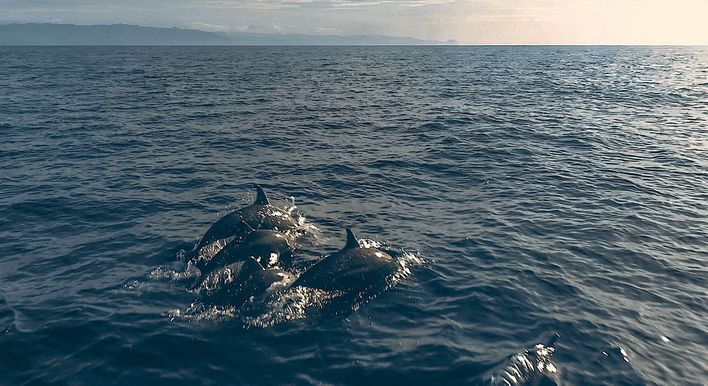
426,41
376,45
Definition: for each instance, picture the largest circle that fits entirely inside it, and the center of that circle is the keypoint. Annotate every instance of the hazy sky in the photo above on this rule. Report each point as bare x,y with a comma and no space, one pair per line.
468,21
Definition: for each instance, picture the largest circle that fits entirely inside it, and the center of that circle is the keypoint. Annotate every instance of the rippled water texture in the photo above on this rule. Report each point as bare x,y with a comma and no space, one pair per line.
549,190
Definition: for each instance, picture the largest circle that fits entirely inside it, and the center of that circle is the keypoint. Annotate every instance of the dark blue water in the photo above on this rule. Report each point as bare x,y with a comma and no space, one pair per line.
541,190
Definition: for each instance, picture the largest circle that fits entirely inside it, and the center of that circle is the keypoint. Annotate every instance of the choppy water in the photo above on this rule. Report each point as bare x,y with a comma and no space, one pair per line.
547,189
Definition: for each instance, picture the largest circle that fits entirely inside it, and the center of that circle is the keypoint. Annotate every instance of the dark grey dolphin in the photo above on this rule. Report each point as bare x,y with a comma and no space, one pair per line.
236,283
352,268
259,215
269,248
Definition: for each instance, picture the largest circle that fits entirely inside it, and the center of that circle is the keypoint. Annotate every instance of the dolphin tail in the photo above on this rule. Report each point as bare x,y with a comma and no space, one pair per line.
352,242
261,197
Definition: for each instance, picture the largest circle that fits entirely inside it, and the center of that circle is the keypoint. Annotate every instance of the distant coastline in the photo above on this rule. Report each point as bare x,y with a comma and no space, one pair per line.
47,34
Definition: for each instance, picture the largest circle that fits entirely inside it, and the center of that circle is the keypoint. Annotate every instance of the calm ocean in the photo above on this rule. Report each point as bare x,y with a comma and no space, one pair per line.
539,190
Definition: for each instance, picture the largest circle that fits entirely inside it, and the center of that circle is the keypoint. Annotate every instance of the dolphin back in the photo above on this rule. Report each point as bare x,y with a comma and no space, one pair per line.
350,270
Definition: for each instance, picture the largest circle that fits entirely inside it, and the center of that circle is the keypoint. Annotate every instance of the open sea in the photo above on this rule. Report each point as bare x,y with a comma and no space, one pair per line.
536,190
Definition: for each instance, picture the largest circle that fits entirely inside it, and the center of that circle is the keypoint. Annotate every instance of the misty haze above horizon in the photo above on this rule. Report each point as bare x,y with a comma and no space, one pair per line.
49,34
517,22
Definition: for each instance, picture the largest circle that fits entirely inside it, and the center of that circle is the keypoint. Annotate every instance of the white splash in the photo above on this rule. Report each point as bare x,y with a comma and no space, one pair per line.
221,277
406,262
170,273
210,250
290,305
196,313
525,367
273,260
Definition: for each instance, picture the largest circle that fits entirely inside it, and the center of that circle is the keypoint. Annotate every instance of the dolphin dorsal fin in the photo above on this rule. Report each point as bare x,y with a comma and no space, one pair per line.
261,197
352,242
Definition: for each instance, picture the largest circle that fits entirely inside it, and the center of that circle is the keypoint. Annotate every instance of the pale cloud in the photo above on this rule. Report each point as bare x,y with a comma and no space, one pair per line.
209,27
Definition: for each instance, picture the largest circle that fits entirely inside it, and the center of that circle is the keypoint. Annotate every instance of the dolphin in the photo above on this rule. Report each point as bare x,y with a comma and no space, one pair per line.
269,248
350,269
259,215
531,367
236,283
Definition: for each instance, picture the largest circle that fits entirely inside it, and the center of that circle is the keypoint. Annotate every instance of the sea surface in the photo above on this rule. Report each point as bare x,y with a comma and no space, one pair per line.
539,190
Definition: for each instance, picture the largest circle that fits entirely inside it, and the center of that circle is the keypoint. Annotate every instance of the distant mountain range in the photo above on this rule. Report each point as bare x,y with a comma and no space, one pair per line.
44,34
